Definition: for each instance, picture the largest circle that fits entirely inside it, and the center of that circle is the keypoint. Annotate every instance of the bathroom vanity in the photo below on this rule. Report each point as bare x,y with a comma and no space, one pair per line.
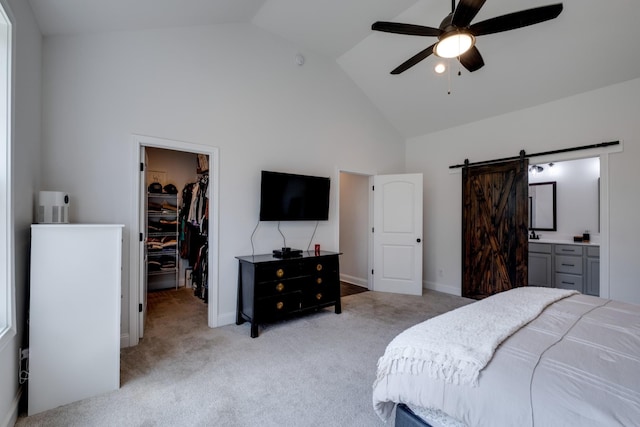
565,265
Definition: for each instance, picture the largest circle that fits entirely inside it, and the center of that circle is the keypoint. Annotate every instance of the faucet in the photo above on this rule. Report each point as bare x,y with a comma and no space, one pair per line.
533,235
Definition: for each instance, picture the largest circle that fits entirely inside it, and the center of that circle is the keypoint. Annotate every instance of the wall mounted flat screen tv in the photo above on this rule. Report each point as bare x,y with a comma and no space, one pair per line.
289,197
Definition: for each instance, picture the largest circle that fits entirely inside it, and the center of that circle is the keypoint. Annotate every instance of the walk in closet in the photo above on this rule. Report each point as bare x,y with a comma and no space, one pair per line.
177,217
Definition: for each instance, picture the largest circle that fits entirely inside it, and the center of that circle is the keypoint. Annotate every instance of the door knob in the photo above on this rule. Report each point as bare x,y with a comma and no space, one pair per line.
418,240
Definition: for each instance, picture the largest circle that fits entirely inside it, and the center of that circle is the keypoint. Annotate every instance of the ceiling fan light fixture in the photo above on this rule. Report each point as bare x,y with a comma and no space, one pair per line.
454,45
440,68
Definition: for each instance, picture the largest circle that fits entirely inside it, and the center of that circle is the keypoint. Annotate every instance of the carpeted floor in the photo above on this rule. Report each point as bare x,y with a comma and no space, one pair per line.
315,370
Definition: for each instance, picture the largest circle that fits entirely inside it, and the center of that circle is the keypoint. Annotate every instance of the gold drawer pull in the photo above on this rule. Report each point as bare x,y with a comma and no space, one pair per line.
279,305
280,273
279,287
319,280
318,296
319,267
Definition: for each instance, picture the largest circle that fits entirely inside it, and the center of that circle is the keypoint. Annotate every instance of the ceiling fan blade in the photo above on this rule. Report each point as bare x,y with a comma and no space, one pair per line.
466,11
413,60
515,20
472,60
408,29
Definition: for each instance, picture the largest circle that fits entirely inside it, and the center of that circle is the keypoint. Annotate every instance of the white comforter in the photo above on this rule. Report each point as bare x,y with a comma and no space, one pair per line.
578,363
456,345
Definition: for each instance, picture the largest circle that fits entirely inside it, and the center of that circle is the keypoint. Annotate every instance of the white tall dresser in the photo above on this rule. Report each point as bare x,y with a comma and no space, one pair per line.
74,313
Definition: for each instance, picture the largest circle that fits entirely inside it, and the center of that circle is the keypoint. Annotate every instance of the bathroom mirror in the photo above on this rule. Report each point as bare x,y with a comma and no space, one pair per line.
542,206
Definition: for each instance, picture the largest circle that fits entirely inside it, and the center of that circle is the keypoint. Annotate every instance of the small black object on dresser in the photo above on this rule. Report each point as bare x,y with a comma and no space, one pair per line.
271,288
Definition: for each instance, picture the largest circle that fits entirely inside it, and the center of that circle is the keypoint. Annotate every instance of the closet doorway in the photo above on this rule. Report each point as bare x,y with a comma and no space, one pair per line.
354,236
177,217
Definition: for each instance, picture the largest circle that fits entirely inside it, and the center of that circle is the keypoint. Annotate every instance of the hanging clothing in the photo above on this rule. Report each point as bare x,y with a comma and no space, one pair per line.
194,220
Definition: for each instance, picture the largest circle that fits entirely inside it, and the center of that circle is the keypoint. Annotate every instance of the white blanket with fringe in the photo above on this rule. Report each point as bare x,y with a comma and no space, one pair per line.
455,346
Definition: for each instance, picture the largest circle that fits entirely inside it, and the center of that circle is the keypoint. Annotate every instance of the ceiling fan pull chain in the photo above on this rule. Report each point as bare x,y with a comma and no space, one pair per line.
449,76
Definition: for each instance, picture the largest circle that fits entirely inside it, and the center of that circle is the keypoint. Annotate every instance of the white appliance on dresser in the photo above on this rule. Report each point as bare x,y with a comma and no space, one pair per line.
74,313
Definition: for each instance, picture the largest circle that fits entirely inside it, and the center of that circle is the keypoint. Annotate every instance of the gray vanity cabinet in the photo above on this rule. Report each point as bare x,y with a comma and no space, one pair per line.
569,267
593,271
565,266
540,266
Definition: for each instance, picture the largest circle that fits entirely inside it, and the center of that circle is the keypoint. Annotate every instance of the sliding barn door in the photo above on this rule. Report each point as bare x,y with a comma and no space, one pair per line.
494,228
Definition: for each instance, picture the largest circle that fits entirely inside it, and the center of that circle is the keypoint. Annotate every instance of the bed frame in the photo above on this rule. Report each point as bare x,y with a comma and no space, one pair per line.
406,418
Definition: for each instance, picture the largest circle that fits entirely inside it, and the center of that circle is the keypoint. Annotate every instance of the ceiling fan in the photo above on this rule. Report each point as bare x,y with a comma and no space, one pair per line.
457,36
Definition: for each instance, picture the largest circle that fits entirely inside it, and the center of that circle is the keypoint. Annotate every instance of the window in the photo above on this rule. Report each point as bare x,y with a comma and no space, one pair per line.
7,299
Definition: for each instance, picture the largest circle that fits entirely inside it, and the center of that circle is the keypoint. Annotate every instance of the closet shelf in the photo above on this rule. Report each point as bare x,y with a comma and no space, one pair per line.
153,214
161,234
158,252
162,240
162,195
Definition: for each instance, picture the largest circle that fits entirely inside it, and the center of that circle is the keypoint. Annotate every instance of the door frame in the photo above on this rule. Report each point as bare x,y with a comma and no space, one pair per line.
370,220
369,175
135,263
603,154
369,248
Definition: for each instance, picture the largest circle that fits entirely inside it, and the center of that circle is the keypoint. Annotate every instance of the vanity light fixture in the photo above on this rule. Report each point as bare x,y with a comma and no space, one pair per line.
536,168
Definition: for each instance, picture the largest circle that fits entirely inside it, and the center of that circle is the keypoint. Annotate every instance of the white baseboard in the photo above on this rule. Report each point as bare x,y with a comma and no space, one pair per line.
227,319
447,289
12,415
359,281
124,340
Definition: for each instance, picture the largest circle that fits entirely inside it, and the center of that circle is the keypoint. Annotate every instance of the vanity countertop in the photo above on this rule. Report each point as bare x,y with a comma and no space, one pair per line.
563,242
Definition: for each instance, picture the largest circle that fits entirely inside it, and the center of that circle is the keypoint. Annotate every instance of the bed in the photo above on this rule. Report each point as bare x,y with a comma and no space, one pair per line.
525,357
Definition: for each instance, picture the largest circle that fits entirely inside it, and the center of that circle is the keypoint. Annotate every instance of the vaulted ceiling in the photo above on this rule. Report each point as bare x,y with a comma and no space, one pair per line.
591,44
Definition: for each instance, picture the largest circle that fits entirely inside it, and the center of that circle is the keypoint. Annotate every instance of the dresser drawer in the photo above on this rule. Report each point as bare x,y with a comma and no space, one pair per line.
568,249
568,264
321,266
278,305
278,271
318,295
569,281
279,287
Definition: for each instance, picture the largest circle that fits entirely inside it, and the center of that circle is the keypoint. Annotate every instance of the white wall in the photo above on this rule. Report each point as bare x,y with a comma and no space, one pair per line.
577,208
26,176
180,167
354,228
602,115
234,87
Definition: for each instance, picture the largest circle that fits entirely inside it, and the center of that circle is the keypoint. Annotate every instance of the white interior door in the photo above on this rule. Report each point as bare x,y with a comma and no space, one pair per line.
397,233
143,243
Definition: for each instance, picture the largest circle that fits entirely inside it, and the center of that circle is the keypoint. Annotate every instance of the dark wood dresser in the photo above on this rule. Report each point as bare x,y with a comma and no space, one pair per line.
271,288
